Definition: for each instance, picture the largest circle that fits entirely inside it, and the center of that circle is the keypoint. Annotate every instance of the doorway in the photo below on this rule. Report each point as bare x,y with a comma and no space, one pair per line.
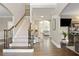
44,33
44,27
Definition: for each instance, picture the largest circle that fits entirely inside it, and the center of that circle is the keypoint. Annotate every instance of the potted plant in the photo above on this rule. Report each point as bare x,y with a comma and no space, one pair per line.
64,34
64,41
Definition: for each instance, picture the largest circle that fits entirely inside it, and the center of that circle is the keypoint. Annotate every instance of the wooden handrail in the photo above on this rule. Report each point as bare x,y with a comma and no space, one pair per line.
16,23
19,21
11,28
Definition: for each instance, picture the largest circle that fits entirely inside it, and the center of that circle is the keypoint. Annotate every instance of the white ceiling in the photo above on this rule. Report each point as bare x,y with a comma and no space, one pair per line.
72,9
47,10
4,11
43,5
43,11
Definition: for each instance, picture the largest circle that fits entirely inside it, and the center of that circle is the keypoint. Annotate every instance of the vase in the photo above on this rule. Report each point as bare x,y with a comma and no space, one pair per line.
63,43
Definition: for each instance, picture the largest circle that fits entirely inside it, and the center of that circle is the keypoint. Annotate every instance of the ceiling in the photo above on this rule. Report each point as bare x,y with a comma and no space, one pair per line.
46,10
4,11
43,5
43,11
72,9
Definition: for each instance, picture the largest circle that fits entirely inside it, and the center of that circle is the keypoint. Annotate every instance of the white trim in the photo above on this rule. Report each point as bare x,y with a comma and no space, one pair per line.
57,45
18,50
6,16
1,43
30,14
13,18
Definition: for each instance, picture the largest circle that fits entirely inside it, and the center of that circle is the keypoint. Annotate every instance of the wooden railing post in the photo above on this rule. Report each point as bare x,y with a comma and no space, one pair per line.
30,40
6,42
4,38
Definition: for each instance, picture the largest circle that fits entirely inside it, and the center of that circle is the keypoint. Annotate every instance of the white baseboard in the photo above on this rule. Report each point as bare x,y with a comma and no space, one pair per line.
57,45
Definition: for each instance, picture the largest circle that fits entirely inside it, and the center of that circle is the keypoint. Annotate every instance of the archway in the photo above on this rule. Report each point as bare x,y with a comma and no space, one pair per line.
44,28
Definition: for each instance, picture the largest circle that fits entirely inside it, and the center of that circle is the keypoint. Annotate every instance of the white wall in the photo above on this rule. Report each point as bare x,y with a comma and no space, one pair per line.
4,25
56,34
10,24
4,22
54,31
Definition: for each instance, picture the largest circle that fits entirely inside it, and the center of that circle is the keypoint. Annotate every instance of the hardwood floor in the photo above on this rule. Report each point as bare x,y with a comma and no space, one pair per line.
45,48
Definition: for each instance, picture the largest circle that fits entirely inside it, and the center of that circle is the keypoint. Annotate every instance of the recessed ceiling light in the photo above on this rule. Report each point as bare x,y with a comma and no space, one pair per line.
42,16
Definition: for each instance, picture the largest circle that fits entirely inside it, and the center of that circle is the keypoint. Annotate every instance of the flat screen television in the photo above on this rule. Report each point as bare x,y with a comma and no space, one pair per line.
65,22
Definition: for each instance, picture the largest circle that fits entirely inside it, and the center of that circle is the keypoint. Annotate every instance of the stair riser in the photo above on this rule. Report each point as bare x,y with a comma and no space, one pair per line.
20,40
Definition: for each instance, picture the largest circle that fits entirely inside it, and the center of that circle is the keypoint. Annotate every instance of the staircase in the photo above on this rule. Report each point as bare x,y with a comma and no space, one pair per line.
19,44
17,35
20,39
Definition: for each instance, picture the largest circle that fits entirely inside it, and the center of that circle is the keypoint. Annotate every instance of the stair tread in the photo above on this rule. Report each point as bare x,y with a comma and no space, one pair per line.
22,47
18,44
